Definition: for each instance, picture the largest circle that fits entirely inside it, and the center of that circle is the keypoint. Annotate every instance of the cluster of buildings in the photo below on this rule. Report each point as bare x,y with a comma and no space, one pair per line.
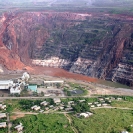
14,88
58,105
103,102
19,127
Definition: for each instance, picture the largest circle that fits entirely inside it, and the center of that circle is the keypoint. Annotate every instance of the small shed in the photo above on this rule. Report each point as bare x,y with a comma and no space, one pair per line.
3,125
2,115
32,88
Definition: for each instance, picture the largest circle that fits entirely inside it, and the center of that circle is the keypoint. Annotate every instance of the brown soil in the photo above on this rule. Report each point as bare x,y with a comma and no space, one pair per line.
16,116
57,72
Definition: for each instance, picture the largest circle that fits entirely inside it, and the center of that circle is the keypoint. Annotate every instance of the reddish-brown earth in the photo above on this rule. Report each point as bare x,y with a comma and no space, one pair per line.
57,72
103,50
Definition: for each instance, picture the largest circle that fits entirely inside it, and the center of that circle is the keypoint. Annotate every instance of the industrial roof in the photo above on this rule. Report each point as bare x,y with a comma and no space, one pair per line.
32,87
3,82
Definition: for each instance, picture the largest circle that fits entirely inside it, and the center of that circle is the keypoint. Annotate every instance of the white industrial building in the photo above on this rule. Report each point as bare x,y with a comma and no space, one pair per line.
5,84
15,90
14,87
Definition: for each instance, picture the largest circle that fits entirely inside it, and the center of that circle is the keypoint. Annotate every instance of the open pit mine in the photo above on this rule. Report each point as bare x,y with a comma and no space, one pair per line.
93,44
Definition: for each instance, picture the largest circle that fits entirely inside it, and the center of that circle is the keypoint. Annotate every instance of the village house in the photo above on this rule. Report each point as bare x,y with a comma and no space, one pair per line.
89,103
2,106
46,108
19,127
87,114
105,104
119,99
101,99
95,102
37,108
84,114
68,109
92,106
70,102
41,111
44,103
107,98
112,98
51,106
3,125
57,100
99,105
2,115
82,101
33,106
61,108
124,132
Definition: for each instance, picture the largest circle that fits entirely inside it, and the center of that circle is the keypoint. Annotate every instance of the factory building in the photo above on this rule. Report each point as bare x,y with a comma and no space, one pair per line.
5,84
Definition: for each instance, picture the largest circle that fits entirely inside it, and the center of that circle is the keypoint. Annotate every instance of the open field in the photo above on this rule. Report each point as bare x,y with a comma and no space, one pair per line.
48,123
104,121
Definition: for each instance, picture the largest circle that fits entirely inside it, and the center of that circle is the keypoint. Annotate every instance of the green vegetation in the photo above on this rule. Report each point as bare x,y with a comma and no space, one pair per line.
126,103
104,121
81,107
3,130
123,104
48,123
112,84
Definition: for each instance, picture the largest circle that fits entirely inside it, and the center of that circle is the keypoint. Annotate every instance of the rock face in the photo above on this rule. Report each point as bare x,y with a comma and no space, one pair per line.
96,45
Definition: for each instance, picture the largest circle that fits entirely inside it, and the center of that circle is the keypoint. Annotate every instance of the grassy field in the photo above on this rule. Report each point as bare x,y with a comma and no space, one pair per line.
123,104
112,84
45,123
126,103
105,121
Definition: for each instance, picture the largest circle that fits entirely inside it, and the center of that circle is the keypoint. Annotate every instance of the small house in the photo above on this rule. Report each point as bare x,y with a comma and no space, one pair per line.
57,100
37,108
61,108
104,104
89,103
70,102
82,101
46,108
84,114
92,106
44,103
124,132
107,98
95,102
2,106
41,111
119,99
33,106
99,105
68,109
101,99
2,115
19,127
3,125
51,106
